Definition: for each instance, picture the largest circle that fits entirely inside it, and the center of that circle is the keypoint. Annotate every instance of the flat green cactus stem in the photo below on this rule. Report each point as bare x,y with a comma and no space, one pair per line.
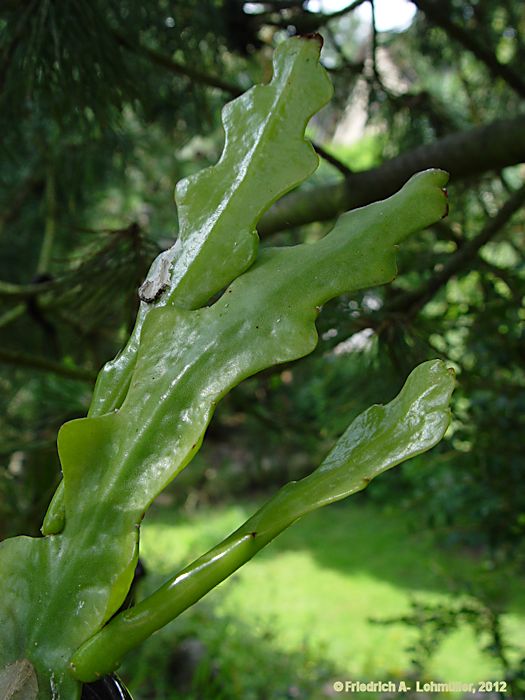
152,404
377,440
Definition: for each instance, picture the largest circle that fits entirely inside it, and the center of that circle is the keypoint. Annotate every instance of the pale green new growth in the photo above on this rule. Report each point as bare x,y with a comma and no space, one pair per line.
152,404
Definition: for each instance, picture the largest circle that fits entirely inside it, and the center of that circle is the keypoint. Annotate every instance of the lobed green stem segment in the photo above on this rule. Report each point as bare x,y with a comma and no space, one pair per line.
265,155
377,440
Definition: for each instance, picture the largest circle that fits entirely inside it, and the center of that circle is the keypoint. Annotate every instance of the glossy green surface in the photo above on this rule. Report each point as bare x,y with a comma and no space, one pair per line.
377,440
265,155
152,404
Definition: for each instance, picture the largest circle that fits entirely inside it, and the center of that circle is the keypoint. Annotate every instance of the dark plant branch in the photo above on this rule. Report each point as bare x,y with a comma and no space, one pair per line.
26,291
463,154
505,276
305,22
413,301
438,13
177,67
329,158
21,359
374,76
12,315
446,232
348,66
215,82
278,5
375,69
344,10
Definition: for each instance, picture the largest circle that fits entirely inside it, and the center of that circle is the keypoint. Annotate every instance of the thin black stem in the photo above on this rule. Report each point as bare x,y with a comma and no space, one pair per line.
343,169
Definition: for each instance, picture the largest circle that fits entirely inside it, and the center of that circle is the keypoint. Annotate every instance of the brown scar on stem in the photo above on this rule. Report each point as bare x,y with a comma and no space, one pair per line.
158,279
313,36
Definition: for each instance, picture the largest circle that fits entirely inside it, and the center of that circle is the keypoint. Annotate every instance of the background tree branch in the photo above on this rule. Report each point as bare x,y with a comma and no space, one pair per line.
464,154
411,302
22,359
439,14
177,67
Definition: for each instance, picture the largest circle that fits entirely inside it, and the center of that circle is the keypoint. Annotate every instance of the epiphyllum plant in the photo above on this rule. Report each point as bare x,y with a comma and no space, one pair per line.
152,404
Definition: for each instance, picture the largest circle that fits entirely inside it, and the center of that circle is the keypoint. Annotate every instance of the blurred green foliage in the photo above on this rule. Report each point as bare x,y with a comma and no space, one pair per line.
299,617
213,660
433,623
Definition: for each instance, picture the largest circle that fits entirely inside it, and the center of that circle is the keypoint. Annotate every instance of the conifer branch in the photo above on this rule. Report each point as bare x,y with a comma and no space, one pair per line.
463,154
170,64
439,14
22,359
413,301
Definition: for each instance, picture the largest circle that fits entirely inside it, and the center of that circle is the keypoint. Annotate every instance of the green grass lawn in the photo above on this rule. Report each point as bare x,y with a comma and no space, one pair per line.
310,595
